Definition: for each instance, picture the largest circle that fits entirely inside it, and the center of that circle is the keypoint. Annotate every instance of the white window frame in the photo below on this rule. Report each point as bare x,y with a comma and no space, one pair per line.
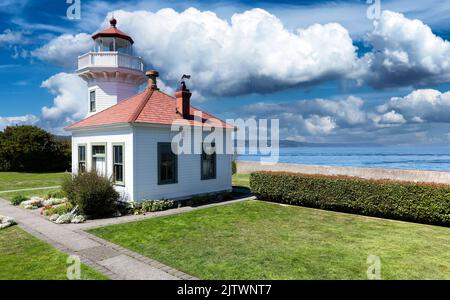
85,157
99,155
93,91
120,183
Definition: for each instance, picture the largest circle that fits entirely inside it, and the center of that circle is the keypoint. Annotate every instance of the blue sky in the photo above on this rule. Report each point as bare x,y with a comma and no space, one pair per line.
312,91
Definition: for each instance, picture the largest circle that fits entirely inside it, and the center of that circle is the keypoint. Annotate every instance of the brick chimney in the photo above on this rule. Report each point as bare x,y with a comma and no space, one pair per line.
183,96
152,79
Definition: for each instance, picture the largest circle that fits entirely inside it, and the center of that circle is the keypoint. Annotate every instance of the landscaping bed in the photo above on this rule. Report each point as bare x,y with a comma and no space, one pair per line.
260,240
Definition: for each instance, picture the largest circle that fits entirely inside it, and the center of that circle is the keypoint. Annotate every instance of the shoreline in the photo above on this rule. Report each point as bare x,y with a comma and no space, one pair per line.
245,167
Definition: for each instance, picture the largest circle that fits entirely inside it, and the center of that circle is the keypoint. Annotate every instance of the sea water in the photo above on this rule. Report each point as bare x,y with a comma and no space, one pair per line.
423,157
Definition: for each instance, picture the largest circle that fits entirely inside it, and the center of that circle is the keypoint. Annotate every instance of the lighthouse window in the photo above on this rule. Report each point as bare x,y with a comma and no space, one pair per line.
92,101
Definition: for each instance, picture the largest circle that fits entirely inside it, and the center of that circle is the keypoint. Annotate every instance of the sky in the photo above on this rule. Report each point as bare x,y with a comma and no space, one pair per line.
330,71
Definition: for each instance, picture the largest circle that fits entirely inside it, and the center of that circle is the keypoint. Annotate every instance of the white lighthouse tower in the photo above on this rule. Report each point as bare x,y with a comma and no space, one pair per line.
110,70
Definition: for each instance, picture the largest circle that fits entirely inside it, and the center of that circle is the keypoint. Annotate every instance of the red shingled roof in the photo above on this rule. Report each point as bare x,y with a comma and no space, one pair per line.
150,106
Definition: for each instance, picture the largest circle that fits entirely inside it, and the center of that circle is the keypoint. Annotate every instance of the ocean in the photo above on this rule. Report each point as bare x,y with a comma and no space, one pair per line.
432,157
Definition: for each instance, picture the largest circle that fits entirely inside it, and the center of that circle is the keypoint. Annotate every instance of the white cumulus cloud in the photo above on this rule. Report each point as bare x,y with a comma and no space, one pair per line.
18,120
64,49
253,52
405,52
70,101
424,105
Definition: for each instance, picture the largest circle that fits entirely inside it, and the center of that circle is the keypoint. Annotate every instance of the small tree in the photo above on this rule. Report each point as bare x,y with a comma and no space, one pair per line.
94,194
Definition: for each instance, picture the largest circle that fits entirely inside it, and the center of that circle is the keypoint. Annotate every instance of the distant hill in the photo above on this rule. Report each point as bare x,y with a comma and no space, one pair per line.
294,144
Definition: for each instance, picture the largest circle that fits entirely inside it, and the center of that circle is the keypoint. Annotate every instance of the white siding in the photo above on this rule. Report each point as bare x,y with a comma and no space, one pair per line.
109,93
146,141
141,164
121,135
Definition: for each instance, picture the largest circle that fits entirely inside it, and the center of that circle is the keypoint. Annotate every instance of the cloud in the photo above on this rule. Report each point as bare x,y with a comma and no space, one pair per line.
311,118
424,105
397,120
253,52
390,118
64,49
19,120
9,37
69,103
405,52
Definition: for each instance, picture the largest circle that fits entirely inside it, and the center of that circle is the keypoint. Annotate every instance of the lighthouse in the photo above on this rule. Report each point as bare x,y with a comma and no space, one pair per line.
113,73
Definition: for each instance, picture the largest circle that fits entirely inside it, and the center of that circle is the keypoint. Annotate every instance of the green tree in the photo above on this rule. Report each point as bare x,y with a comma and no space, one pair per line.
32,149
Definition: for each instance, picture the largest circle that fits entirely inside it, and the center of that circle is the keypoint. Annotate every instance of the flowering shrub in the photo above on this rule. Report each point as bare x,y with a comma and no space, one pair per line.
156,205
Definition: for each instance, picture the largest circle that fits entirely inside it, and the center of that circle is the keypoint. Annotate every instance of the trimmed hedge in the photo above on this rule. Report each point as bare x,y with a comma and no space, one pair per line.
417,202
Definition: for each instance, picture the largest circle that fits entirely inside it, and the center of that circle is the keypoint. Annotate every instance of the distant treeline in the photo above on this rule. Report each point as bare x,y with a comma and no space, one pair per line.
31,149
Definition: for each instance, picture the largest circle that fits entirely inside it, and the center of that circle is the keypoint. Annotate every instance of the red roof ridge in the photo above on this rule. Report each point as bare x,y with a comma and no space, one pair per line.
140,107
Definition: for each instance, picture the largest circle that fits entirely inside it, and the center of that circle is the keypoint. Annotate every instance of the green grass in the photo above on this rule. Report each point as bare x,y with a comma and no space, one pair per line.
259,240
24,257
241,180
28,194
15,180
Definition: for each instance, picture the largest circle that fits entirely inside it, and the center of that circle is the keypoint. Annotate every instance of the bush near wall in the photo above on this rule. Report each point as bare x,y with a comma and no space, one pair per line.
94,195
417,202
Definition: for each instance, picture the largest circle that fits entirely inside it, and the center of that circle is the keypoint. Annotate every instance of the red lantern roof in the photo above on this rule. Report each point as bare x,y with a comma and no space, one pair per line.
113,32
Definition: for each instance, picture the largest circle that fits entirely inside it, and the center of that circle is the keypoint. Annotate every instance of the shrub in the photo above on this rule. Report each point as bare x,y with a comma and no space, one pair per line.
94,195
16,200
418,202
156,205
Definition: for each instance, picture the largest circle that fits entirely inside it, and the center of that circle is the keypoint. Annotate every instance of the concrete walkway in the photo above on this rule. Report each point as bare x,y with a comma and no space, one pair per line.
103,256
110,259
31,189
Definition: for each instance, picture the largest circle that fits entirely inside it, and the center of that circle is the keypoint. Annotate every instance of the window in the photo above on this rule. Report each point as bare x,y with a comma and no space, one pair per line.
99,159
92,101
167,164
81,159
208,162
118,164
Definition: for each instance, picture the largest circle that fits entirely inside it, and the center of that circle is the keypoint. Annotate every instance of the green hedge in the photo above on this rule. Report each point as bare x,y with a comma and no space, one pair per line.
418,202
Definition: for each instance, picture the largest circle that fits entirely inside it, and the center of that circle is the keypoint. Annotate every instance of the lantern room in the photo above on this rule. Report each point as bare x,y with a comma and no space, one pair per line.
113,40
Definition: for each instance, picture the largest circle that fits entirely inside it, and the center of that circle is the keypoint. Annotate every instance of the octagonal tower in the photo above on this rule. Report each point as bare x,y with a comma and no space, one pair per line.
111,70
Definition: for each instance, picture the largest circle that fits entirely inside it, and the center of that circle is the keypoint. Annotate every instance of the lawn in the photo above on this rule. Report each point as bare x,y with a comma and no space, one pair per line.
241,180
15,180
25,257
259,240
28,194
